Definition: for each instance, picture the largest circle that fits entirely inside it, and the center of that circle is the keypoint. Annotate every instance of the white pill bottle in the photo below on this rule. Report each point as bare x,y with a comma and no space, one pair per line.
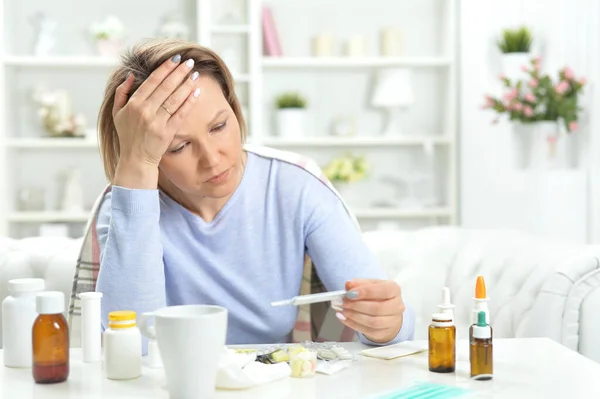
122,346
18,315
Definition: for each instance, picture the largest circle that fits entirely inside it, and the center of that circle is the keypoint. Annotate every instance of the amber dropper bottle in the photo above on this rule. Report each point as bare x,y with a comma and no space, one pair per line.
481,350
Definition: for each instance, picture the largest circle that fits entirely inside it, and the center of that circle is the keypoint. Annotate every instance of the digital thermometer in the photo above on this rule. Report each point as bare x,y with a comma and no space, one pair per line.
312,298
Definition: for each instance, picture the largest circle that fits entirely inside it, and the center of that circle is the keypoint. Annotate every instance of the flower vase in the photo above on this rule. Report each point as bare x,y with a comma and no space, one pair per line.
108,48
542,145
512,65
349,192
343,189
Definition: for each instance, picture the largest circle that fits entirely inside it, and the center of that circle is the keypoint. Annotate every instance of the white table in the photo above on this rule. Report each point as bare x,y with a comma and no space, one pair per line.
523,368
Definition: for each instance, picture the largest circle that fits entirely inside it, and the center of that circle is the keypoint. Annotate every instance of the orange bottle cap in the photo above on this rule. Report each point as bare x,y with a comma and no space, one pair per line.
480,288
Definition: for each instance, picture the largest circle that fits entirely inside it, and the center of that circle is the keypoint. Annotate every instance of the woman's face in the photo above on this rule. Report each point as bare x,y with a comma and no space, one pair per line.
205,157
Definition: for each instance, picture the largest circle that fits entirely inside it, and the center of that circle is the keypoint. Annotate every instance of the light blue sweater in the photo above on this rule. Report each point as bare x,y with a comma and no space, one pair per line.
154,252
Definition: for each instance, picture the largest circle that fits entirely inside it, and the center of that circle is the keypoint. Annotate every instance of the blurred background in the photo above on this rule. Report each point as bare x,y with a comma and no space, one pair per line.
421,112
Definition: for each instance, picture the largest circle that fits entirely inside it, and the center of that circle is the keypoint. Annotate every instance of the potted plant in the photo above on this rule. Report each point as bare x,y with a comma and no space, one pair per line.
344,171
515,45
291,115
542,108
109,36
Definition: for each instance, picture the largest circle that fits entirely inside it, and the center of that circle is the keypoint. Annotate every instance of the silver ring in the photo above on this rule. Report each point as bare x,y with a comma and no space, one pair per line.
166,109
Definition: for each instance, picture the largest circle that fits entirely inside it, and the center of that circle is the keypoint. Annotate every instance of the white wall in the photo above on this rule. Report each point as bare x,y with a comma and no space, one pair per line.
493,193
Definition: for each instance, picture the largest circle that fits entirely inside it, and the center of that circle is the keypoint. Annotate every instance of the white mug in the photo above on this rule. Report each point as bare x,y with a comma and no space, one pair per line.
190,339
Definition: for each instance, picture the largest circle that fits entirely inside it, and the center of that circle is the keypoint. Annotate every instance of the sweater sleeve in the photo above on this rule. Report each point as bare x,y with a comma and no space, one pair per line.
131,273
339,252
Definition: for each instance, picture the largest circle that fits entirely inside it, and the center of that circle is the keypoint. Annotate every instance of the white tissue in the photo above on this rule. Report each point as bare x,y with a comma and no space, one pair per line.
241,371
331,367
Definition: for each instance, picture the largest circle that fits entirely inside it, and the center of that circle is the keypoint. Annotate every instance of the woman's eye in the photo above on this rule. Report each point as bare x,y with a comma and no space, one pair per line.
179,149
219,127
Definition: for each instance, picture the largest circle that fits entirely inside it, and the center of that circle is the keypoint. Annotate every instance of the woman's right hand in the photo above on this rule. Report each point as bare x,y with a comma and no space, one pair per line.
147,122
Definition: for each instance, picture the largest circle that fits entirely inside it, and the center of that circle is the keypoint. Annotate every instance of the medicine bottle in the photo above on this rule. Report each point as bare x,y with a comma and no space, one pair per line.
442,344
442,337
122,346
481,350
18,315
50,339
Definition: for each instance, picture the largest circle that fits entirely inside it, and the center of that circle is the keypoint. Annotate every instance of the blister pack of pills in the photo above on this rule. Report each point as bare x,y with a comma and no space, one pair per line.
329,351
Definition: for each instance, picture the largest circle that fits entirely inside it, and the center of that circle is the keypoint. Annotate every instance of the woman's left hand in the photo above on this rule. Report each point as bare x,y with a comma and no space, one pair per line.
372,307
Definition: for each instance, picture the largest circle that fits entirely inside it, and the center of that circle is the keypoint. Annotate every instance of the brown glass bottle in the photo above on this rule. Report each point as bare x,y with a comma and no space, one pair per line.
442,344
481,353
50,339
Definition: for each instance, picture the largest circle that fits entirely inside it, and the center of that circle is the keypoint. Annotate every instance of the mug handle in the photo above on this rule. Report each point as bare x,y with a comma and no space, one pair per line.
148,332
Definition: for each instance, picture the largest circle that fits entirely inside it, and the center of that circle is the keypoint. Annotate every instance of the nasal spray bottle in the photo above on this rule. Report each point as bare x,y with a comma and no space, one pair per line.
442,337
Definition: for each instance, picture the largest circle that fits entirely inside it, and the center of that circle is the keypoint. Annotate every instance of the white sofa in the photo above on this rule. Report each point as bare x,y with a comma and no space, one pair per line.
536,287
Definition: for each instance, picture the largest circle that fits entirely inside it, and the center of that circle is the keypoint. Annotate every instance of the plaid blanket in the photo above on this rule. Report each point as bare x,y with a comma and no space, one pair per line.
316,322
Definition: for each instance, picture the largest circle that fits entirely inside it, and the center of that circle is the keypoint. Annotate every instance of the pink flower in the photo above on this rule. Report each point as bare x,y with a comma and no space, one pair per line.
533,83
489,102
529,97
582,81
562,87
511,95
528,111
573,126
502,76
537,60
569,75
524,68
518,106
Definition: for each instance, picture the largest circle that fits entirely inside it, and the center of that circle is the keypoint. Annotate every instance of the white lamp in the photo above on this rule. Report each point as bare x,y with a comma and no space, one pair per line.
393,92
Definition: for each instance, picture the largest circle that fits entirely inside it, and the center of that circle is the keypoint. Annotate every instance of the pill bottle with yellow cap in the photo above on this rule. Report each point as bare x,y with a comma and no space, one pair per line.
122,346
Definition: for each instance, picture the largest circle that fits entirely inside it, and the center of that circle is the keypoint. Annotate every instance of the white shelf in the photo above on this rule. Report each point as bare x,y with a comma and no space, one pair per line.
355,141
79,62
48,217
399,213
60,61
56,143
350,62
230,29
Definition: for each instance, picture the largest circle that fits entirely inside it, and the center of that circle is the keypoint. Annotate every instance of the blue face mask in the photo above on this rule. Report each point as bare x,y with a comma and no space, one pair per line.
427,390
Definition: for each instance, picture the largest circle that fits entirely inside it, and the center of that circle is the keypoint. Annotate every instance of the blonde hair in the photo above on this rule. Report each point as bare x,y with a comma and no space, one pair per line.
141,60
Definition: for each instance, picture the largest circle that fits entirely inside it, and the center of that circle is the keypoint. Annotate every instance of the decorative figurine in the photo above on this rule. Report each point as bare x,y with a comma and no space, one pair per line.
44,37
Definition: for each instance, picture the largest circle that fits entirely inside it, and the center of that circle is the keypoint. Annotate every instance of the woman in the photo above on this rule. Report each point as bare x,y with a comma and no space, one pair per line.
192,217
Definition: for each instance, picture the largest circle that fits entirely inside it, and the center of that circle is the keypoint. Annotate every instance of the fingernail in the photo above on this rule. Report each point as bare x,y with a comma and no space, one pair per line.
340,316
189,63
195,75
339,302
352,295
337,308
176,58
197,92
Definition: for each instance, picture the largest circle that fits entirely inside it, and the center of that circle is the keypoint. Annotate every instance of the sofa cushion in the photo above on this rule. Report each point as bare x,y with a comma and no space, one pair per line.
50,258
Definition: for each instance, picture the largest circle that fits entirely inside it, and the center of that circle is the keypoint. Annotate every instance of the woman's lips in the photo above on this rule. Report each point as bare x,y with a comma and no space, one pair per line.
220,178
